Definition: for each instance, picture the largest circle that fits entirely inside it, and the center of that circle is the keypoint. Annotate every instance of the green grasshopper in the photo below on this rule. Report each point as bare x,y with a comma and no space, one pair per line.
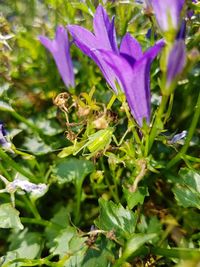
98,141
95,143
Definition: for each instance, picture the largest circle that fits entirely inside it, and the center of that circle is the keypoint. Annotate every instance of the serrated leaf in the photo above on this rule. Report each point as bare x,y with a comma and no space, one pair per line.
187,188
72,169
116,218
9,217
135,198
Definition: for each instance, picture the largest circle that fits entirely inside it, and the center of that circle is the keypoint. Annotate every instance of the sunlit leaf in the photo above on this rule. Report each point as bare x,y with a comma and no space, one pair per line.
187,188
116,218
9,217
72,169
135,198
26,245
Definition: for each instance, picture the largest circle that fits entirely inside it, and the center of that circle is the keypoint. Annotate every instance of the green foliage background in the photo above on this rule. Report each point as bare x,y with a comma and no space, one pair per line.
88,217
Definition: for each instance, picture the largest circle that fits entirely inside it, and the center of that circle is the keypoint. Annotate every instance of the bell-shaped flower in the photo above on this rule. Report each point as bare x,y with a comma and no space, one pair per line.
168,13
104,37
60,50
132,68
175,63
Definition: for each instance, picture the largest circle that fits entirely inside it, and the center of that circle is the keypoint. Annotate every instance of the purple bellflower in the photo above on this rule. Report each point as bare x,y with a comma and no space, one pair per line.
128,66
104,37
132,67
176,58
59,48
168,13
176,61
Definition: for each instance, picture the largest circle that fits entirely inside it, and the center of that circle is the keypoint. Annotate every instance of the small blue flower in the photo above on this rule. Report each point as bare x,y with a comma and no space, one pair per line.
3,141
177,137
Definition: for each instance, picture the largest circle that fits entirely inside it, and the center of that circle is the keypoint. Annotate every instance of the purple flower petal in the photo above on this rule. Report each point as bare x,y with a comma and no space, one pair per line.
83,39
182,31
176,61
135,79
59,48
131,47
135,82
153,51
104,30
104,37
167,13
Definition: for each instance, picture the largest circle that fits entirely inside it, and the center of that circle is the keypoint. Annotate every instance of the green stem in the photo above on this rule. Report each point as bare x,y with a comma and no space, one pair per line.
169,110
176,252
112,100
157,122
62,261
78,186
27,122
5,173
13,164
32,207
30,262
109,186
191,131
131,123
190,158
35,221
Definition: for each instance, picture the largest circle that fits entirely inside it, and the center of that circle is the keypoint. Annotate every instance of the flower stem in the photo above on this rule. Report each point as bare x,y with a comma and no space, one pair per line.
35,221
17,167
27,122
157,125
112,100
191,131
32,207
78,187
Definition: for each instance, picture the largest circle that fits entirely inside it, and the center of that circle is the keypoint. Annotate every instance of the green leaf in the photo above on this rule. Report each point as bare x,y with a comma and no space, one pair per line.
59,222
135,198
187,191
36,145
136,241
182,253
62,241
72,169
9,217
48,127
69,246
26,245
5,107
116,218
101,255
134,244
